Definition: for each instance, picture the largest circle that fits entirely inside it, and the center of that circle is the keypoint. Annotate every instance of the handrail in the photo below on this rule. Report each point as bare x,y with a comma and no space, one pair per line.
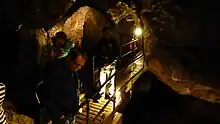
128,53
107,80
87,100
133,75
119,90
138,55
99,89
133,41
100,112
122,87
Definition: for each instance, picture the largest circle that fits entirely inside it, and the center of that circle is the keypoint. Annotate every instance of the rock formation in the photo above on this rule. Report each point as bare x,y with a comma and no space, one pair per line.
185,54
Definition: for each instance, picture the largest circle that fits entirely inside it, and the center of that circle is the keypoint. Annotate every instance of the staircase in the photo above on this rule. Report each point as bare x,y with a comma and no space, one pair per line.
97,114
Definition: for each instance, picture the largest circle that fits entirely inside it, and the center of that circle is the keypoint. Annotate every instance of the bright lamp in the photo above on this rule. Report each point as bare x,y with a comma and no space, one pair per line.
138,31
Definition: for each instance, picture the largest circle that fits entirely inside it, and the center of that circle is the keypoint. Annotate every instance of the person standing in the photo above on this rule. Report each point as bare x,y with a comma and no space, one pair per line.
59,92
107,59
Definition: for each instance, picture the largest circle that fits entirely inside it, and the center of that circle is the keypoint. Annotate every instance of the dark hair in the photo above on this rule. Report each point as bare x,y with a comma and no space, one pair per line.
61,35
76,51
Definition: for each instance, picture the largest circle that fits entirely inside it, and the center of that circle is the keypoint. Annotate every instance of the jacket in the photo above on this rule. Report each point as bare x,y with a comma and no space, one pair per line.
107,51
60,90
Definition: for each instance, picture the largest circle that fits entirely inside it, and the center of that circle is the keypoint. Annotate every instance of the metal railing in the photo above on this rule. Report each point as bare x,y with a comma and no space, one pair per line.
113,99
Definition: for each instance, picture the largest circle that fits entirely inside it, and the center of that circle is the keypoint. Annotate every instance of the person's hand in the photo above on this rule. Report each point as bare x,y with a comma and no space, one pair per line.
62,117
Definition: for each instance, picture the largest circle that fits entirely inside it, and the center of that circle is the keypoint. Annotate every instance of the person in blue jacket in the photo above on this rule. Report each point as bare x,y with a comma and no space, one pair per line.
59,92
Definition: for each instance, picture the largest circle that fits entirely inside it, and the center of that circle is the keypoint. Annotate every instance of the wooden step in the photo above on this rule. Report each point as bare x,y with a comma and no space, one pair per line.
95,108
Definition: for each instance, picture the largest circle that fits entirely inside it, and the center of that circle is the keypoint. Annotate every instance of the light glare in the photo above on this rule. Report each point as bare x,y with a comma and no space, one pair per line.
138,31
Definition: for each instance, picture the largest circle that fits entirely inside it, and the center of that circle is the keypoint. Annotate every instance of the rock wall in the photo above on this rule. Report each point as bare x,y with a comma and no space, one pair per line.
187,46
87,23
172,73
83,27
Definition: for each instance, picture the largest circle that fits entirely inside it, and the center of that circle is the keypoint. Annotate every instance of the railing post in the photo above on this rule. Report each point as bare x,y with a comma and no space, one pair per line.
132,54
120,52
143,51
114,96
87,111
93,69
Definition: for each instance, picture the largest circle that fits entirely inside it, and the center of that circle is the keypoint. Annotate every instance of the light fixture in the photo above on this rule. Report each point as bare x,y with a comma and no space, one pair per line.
138,31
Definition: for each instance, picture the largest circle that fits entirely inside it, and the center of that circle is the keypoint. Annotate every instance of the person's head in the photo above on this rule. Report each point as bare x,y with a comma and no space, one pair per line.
61,38
76,59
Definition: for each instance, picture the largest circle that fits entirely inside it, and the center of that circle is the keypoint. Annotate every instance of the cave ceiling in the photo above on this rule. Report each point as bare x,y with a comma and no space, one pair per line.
46,13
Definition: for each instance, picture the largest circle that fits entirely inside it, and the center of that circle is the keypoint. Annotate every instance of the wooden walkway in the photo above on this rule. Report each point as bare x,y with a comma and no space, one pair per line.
121,79
94,110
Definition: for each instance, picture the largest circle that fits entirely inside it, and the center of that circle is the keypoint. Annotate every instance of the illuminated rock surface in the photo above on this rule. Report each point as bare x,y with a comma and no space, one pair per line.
173,74
185,54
